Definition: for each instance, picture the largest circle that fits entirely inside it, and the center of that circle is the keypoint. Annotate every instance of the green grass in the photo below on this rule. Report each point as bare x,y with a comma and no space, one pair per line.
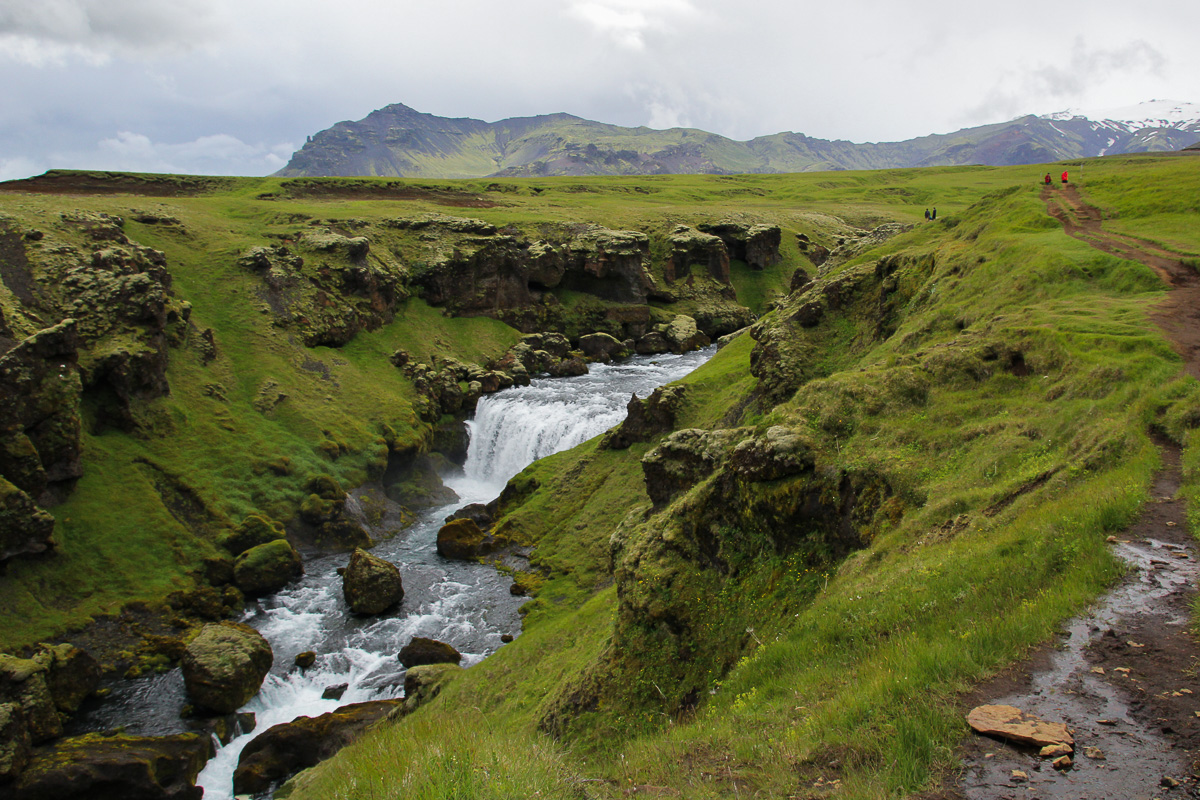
999,378
1006,482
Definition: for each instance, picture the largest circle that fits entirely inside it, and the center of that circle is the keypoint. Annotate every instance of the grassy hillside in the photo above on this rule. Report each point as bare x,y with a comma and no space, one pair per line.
999,378
894,485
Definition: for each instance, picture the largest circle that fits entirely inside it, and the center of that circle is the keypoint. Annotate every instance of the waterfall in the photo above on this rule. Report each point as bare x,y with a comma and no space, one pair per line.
465,604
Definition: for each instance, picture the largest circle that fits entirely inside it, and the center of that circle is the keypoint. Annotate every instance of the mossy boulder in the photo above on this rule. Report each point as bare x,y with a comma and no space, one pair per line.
370,584
683,335
72,674
602,347
283,750
252,531
464,540
421,651
224,666
267,568
98,767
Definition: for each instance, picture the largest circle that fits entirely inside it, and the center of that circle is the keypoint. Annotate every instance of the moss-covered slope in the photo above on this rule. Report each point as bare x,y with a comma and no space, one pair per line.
892,486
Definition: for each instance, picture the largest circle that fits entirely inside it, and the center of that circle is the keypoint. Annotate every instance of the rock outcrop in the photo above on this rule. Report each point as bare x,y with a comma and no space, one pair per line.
462,539
755,245
224,666
283,750
96,767
646,419
370,584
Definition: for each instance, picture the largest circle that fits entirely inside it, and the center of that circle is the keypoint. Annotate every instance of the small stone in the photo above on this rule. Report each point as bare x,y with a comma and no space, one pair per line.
1132,643
1094,753
306,659
1185,691
1114,722
506,637
1168,782
1122,670
1016,725
1055,750
1098,670
1171,524
1182,554
1111,540
1019,776
1063,763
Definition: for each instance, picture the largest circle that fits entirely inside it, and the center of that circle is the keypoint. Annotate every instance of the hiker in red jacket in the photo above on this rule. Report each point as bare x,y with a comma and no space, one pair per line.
1047,178
1064,176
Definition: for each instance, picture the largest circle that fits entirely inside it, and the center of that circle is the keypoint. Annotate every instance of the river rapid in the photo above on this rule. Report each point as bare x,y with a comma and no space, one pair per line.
467,605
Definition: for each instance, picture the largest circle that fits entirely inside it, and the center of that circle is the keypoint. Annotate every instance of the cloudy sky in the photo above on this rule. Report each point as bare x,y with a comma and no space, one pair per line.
234,86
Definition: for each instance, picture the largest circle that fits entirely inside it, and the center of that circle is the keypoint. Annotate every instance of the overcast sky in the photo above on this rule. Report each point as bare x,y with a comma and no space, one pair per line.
235,86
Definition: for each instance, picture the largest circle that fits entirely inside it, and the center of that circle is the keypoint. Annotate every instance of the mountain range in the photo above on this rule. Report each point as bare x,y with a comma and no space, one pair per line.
398,141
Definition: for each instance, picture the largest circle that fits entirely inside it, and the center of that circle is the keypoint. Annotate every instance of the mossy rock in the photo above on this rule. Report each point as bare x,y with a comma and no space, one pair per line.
224,666
421,651
370,584
24,528
462,539
267,568
23,682
252,531
98,766
16,748
425,682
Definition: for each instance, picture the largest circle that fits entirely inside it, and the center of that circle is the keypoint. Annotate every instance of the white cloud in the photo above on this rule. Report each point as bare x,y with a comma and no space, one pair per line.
219,154
43,33
626,22
13,168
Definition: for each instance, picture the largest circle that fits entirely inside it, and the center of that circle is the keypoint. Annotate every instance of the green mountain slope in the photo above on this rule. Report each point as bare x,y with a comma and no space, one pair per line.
398,141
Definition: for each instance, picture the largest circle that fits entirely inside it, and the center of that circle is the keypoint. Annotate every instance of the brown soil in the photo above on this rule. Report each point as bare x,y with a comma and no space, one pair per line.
74,182
1126,678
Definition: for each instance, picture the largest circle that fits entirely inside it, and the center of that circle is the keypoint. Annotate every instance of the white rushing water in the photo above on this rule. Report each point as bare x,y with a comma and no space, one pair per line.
467,605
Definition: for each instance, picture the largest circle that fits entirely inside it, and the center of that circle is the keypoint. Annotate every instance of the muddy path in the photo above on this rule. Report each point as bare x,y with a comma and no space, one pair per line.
1126,676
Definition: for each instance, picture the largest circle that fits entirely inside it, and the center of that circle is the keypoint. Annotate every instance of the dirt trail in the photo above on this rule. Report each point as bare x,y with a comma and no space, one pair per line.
1126,676
1179,314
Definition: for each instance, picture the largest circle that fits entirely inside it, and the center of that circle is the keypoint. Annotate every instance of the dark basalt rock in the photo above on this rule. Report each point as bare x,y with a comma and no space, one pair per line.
224,666
97,767
421,651
646,419
691,247
756,245
283,750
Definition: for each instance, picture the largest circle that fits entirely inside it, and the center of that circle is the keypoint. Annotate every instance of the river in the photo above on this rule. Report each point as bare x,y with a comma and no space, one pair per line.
465,604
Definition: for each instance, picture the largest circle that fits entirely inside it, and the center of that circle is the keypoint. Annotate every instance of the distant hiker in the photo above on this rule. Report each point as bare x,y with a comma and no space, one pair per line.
1047,178
927,215
1064,176
934,214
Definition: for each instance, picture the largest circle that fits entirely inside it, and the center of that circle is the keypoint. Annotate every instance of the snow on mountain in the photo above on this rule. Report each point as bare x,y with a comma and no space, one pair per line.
1150,114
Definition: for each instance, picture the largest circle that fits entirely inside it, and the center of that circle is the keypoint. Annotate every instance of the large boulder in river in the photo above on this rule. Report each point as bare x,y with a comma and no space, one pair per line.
267,568
225,665
98,767
283,750
462,539
683,335
421,651
370,584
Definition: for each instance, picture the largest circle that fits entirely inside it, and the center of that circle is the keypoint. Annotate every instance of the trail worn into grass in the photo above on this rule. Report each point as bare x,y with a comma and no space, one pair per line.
1125,677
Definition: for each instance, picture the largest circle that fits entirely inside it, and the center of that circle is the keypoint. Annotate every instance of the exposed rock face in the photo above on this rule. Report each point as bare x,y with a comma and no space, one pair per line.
329,290
267,568
682,460
1009,722
690,248
283,750
225,665
646,419
71,674
421,651
324,511
97,767
755,245
487,273
370,584
40,432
